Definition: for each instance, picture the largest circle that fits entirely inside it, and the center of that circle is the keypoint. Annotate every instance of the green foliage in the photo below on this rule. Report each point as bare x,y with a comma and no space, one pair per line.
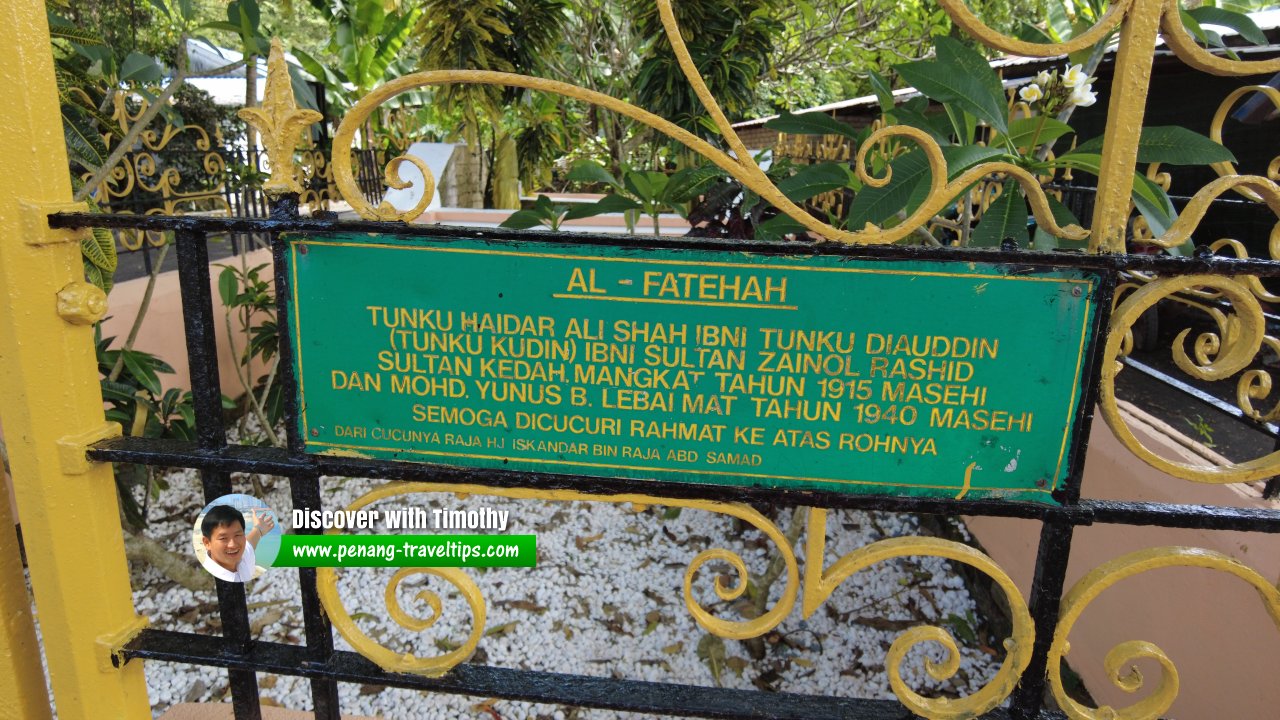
366,38
962,79
730,42
1005,217
250,299
544,212
136,399
1171,145
481,35
812,123
644,192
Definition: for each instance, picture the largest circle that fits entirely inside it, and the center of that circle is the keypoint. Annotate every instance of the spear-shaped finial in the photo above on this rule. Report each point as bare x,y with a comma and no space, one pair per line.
279,121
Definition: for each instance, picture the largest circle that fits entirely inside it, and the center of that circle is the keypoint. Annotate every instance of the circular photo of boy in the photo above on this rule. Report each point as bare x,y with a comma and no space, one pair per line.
236,537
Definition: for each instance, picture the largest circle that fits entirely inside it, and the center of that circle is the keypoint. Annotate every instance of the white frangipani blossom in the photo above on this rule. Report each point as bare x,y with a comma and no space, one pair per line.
1083,96
1043,78
1074,77
1030,93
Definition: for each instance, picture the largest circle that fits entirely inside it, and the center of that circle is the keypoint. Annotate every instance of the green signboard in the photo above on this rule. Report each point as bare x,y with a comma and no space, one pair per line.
904,377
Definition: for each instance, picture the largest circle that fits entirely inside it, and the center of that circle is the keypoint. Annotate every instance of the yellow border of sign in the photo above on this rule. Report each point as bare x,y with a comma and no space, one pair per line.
963,488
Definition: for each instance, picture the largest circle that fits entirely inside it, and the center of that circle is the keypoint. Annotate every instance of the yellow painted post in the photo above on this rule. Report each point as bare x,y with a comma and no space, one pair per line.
50,400
21,682
1125,109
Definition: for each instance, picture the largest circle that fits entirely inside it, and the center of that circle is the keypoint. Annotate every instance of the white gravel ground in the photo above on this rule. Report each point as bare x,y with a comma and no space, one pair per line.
605,600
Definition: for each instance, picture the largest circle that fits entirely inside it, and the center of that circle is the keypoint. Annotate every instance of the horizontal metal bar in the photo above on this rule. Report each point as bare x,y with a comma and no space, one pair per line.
1166,264
1198,517
275,461
528,685
1204,397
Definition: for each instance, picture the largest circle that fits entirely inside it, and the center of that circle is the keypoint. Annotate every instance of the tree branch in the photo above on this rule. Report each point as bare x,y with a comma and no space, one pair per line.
135,131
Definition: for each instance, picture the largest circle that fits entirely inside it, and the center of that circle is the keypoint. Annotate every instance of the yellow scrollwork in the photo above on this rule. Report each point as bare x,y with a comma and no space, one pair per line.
1216,357
1098,580
1185,47
136,175
1224,168
435,666
327,581
279,121
819,583
740,164
972,24
1180,231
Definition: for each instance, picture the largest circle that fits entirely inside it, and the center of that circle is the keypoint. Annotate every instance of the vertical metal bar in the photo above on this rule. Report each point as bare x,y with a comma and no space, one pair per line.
286,207
1104,296
1046,597
1054,552
1125,109
305,490
51,400
206,391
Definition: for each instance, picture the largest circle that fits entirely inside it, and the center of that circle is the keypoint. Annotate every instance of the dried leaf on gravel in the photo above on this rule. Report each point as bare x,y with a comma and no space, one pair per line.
527,605
711,652
501,630
652,619
270,617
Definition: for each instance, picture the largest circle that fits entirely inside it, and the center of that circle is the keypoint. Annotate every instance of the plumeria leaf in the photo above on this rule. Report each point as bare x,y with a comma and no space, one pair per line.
1239,22
1043,240
1023,132
1170,144
814,123
1005,217
778,227
814,180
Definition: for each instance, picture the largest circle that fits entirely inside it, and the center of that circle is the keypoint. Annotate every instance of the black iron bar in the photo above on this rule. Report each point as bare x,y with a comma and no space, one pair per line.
202,357
654,698
272,461
1166,264
305,489
305,493
1089,372
285,207
1046,597
1192,517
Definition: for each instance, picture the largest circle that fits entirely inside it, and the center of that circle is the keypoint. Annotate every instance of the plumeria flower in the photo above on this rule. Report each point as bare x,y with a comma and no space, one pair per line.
1083,96
1043,78
1074,77
1030,93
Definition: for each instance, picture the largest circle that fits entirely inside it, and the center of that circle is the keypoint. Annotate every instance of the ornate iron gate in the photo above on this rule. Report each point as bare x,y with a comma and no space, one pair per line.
65,449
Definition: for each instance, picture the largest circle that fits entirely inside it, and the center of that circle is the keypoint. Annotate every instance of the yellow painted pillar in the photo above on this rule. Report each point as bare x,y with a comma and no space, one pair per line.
1125,110
21,681
50,400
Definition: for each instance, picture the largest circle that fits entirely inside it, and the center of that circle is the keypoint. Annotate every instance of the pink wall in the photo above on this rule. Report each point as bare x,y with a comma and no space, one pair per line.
162,331
1212,626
